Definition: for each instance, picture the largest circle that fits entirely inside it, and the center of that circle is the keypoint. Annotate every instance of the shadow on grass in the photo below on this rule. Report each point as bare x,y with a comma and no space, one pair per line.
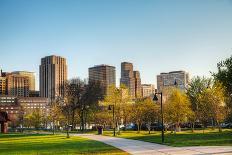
18,135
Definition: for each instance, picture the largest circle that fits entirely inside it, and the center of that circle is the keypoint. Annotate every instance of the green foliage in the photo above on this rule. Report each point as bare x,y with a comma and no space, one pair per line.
212,104
120,99
195,89
144,111
224,75
177,107
80,100
34,119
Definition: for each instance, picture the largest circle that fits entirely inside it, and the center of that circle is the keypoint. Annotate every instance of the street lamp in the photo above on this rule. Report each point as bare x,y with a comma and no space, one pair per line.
162,115
111,107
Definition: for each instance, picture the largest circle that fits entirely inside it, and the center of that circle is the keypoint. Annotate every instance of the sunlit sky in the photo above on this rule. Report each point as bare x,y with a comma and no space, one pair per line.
156,36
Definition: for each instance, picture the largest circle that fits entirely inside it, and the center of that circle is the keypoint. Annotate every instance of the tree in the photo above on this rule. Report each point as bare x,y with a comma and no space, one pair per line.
79,99
34,118
138,113
151,112
196,87
212,104
119,97
73,99
102,117
177,108
93,93
224,75
55,115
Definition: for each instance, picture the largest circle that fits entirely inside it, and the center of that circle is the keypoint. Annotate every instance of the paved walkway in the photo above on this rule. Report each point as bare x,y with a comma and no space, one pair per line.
137,147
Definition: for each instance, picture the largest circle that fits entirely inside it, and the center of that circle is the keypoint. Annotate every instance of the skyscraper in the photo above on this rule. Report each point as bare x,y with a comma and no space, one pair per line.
127,77
30,75
3,86
131,79
105,74
53,74
17,85
137,84
178,79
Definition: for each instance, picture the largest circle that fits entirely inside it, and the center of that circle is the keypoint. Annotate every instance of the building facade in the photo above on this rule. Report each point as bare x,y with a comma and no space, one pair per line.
131,79
31,77
53,74
28,104
127,77
178,79
9,104
3,86
104,74
137,78
148,90
15,106
17,85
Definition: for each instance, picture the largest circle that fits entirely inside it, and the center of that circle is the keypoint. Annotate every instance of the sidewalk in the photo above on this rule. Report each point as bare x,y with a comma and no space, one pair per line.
145,148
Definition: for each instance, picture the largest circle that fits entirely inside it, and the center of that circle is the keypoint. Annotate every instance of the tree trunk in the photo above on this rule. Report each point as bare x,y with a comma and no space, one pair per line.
73,119
139,127
149,128
177,127
192,127
219,127
82,120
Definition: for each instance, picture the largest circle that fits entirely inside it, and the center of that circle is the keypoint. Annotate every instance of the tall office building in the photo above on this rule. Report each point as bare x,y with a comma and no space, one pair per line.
3,86
30,75
131,79
127,77
14,84
105,74
148,90
53,74
178,79
137,84
17,85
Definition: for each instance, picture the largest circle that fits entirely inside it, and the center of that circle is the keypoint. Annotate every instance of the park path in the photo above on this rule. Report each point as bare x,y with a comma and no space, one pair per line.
137,147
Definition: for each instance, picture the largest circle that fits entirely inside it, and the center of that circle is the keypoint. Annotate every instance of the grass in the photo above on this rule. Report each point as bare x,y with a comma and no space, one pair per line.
37,144
184,138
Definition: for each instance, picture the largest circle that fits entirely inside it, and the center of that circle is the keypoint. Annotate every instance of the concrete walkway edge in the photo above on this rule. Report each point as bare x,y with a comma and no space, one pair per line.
137,147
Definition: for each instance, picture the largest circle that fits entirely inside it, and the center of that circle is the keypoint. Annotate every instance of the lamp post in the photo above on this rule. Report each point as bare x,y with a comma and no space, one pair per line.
111,107
162,115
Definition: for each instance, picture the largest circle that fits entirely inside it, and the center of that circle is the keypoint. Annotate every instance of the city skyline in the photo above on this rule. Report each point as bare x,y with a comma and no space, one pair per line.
156,36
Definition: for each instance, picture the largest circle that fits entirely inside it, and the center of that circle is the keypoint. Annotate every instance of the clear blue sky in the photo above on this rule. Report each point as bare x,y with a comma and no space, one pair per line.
157,36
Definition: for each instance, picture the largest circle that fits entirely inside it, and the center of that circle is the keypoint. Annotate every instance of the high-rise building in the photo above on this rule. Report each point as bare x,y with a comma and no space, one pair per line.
131,79
127,77
17,85
104,74
148,90
53,74
178,79
137,84
30,75
3,86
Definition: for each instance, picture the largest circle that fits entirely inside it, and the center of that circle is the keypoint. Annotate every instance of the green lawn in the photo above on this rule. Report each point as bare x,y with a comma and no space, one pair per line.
184,138
22,144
